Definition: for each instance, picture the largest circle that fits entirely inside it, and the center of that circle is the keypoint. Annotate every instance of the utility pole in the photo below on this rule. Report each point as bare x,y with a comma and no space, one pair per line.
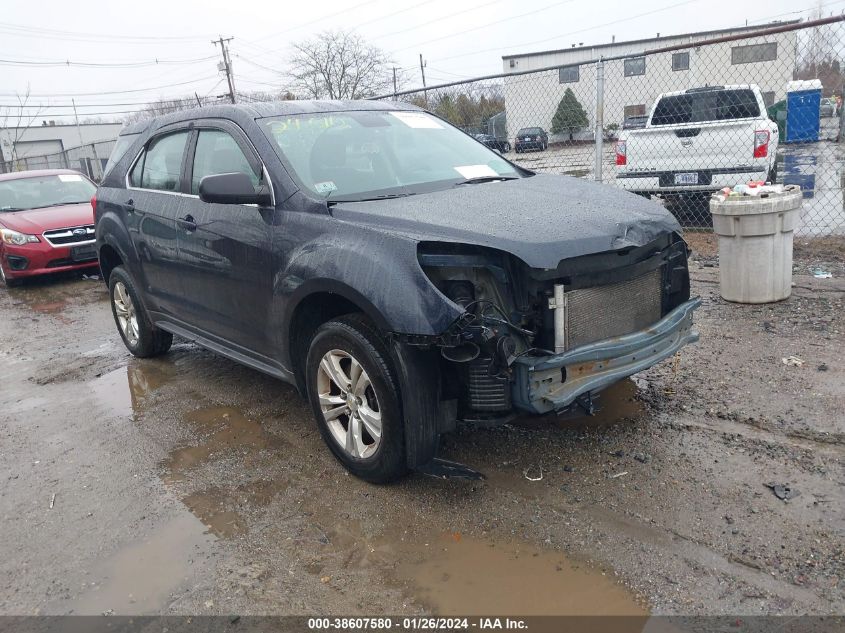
76,117
394,82
227,64
422,71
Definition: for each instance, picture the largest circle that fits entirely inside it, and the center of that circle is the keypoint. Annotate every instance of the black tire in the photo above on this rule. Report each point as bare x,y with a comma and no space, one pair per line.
507,148
772,176
5,281
150,341
355,336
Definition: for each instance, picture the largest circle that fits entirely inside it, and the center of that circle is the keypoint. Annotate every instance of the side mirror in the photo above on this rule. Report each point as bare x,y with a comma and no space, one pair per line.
234,188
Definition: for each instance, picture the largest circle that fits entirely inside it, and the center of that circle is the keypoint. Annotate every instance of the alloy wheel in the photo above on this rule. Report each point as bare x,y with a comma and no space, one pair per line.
349,404
127,315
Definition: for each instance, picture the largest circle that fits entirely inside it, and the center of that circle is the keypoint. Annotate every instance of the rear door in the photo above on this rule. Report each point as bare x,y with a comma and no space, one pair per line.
225,249
153,203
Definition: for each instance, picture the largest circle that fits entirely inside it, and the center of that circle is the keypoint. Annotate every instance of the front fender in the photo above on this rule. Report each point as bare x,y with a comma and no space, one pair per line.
378,272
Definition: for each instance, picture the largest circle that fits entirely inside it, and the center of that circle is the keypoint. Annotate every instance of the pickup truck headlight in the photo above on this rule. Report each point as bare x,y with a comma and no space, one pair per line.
18,239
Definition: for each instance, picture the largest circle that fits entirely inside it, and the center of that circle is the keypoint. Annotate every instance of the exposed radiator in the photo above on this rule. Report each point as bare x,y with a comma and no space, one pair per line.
593,314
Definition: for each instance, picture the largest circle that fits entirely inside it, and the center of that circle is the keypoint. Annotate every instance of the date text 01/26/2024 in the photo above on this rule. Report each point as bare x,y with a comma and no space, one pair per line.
415,624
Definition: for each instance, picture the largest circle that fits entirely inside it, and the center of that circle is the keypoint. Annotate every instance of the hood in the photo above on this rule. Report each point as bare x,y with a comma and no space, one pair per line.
541,219
36,221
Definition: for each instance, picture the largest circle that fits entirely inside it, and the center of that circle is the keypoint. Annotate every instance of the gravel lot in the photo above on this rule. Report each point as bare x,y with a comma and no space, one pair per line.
188,484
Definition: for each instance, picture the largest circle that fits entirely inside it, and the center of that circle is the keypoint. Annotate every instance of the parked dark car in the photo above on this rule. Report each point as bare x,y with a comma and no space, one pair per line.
400,274
46,223
531,138
498,144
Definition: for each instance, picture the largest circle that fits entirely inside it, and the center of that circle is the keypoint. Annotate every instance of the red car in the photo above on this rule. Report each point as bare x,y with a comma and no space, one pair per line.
46,223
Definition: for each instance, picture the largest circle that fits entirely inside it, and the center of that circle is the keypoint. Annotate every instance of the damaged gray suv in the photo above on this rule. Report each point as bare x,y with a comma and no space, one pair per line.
401,274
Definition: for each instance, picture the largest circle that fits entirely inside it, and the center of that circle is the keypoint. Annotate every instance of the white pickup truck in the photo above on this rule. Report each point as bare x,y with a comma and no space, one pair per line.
697,141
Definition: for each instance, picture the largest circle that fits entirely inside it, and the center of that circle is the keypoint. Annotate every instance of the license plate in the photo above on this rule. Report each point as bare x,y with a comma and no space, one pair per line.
686,178
527,138
83,253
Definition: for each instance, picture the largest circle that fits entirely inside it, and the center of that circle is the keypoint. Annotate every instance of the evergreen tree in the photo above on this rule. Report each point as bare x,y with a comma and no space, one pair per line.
570,115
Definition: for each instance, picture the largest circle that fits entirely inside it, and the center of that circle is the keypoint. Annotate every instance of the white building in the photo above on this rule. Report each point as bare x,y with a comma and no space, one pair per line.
635,77
46,144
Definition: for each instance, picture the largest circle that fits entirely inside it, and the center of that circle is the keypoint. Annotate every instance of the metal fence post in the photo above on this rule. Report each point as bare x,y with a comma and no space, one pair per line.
599,133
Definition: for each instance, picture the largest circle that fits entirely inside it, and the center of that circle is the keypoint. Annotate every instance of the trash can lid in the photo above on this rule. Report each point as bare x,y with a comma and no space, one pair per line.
754,199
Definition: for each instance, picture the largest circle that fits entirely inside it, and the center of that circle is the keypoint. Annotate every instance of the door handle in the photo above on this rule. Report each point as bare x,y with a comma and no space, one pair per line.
187,223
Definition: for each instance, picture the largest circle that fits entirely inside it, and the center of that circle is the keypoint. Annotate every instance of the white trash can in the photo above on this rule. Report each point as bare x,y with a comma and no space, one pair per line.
755,243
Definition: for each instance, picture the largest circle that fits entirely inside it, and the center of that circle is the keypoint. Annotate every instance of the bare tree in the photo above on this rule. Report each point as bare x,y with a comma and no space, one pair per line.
17,120
339,65
166,106
819,53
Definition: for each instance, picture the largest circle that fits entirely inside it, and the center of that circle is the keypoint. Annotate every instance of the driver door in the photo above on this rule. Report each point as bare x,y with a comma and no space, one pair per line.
225,249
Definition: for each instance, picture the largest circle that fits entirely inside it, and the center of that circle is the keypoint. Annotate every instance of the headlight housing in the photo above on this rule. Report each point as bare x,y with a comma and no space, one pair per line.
18,239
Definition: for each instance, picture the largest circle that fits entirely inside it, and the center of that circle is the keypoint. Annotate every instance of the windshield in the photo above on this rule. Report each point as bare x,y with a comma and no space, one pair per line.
370,154
44,191
711,105
122,145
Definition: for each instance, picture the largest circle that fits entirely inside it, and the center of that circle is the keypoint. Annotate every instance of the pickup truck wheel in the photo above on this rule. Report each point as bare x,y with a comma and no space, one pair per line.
138,334
352,389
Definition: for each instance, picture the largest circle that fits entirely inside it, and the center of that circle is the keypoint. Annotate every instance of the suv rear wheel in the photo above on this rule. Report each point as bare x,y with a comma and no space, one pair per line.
138,334
353,393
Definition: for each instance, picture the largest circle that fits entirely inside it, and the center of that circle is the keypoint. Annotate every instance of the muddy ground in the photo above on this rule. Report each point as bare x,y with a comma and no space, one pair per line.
189,484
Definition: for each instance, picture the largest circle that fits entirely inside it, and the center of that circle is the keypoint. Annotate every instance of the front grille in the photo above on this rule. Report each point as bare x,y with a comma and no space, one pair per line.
602,312
71,235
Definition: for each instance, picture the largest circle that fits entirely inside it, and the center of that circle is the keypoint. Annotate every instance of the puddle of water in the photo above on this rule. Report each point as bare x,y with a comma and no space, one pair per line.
121,391
141,577
223,429
217,508
463,576
616,403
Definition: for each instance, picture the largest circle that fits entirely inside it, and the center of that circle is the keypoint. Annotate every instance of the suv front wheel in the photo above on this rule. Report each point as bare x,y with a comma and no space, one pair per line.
353,393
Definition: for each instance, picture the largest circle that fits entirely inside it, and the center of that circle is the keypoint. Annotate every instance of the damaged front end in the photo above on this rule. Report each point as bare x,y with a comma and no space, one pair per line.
546,340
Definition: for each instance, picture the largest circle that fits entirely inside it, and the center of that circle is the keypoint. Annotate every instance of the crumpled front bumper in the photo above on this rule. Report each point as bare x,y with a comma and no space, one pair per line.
553,382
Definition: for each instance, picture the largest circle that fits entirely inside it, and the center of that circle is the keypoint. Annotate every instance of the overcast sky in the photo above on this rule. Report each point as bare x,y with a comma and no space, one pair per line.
458,39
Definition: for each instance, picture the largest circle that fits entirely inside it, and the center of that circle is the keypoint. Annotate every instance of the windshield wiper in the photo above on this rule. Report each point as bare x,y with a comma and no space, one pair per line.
58,204
480,179
386,196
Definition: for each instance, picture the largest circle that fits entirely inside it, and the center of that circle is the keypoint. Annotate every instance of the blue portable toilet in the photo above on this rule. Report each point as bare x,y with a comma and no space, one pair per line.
803,98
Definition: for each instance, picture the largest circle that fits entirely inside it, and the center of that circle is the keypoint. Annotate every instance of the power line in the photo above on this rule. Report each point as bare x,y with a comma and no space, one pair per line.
440,19
109,92
560,35
483,26
256,64
20,30
314,21
140,64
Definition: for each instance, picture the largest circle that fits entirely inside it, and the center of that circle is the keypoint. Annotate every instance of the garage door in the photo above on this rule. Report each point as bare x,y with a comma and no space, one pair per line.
26,149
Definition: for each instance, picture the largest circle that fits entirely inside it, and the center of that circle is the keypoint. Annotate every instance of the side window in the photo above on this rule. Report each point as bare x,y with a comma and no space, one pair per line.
135,174
162,163
218,153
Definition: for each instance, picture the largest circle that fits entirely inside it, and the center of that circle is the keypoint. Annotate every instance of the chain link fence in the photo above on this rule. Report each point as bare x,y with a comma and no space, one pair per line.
88,159
674,119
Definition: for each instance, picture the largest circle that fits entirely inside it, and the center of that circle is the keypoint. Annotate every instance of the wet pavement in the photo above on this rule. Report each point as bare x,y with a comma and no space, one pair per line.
188,484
